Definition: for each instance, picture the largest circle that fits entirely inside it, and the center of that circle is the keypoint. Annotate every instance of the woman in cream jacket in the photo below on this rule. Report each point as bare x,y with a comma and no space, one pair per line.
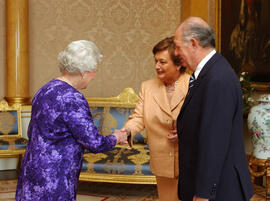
159,104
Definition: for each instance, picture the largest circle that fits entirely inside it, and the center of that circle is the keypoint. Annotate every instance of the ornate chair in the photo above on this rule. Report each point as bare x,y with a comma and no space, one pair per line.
12,145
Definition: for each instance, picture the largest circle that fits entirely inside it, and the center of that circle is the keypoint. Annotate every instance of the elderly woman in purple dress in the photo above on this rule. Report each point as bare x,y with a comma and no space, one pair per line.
61,127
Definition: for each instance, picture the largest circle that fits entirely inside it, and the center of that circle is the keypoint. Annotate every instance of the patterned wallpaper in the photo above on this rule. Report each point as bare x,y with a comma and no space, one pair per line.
124,30
2,49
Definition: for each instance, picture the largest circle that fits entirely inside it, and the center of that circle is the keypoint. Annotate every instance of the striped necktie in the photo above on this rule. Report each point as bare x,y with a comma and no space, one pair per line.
191,81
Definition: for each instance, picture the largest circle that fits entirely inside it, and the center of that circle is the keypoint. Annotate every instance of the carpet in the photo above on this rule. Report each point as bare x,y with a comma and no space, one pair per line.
91,191
7,190
118,192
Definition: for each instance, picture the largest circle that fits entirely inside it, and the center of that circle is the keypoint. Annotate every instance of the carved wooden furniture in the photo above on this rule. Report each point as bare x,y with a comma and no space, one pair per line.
121,165
260,168
11,142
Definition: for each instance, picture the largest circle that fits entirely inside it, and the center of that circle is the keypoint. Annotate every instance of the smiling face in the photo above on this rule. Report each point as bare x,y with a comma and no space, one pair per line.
165,68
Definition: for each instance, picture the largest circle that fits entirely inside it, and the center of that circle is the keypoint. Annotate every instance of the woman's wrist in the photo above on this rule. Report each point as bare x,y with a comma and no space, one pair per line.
116,137
128,131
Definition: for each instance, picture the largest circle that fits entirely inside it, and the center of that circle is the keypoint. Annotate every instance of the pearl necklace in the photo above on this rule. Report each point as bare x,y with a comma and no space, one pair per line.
65,80
171,89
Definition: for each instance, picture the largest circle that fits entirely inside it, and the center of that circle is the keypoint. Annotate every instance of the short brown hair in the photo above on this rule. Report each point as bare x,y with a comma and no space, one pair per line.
167,44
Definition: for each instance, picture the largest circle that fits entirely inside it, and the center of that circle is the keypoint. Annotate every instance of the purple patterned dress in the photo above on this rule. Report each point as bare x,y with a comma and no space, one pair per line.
61,127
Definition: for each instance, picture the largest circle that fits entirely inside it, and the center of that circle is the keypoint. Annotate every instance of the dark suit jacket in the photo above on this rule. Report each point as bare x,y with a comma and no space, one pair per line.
212,158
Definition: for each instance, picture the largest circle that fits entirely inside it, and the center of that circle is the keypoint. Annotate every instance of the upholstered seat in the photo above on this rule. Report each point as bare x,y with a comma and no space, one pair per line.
115,118
11,142
118,161
120,165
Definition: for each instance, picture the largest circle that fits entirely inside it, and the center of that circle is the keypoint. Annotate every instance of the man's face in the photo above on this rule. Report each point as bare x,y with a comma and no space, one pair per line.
183,50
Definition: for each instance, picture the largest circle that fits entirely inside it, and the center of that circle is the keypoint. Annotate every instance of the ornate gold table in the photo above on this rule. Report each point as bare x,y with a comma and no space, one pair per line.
259,168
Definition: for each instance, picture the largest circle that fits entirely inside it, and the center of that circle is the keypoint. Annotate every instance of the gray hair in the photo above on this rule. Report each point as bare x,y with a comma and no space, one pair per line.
204,34
79,56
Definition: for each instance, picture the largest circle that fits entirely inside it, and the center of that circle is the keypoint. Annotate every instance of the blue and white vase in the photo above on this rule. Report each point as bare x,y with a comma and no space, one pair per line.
259,127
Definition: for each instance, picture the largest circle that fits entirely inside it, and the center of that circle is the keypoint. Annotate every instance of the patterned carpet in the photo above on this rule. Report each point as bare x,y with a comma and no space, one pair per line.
118,192
7,190
89,191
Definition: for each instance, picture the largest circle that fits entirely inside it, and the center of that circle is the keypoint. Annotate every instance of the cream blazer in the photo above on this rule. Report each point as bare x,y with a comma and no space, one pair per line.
154,112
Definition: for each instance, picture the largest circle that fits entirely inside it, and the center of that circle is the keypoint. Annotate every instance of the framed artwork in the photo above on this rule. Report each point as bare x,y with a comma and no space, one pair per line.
245,37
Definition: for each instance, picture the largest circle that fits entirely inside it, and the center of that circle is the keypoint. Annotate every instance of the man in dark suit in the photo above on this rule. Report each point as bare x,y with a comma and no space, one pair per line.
212,158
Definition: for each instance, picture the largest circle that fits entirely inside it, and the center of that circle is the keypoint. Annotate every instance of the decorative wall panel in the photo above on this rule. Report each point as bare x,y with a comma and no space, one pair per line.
124,30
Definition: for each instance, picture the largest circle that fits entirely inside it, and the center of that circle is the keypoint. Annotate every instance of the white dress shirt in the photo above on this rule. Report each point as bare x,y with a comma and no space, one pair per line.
203,62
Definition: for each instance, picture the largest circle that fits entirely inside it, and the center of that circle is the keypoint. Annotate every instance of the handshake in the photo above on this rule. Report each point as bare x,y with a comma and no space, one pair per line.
123,136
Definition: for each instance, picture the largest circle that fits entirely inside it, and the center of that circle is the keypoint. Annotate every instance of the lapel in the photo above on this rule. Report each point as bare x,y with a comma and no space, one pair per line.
180,90
203,73
160,96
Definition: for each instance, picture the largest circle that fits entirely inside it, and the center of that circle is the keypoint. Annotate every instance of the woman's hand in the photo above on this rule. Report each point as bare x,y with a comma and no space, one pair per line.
121,137
195,198
173,137
127,130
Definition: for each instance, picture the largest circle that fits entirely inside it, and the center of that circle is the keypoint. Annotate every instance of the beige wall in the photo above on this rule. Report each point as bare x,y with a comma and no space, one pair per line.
124,30
2,49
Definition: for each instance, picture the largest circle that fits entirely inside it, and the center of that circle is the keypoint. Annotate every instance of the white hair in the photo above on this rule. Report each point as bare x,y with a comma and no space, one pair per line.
79,56
203,33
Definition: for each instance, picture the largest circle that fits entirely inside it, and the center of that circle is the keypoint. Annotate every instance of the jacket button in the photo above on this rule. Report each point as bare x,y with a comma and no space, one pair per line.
213,190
